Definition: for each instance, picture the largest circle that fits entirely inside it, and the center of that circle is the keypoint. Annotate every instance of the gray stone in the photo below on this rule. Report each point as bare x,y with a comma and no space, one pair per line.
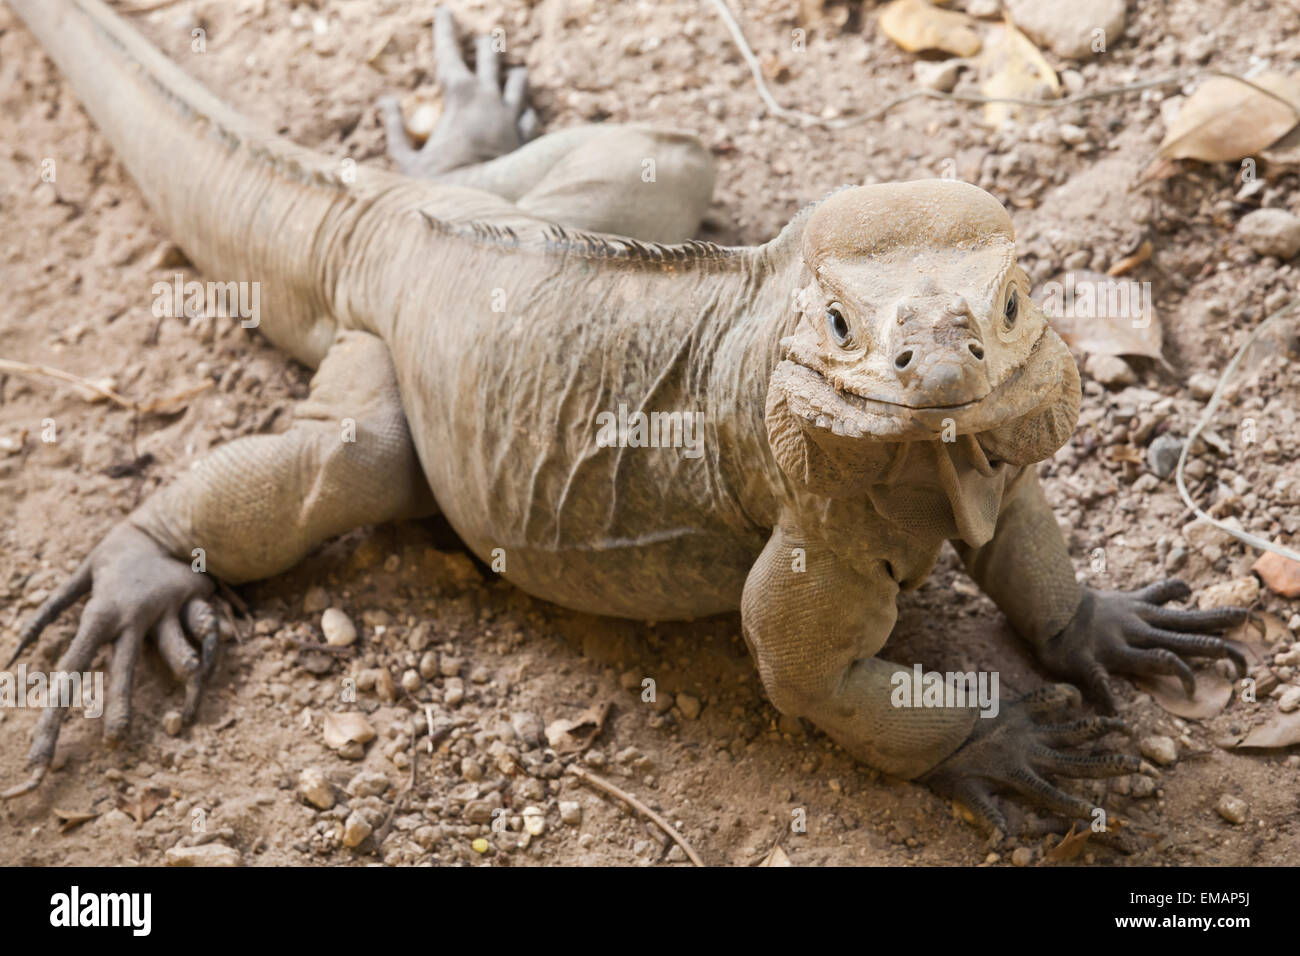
1069,27
1270,232
1162,454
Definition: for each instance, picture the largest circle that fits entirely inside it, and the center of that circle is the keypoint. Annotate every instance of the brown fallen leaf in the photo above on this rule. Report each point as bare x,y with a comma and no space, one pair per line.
1281,575
570,736
918,25
1256,633
1282,730
1284,152
71,819
1011,65
1225,120
1213,691
145,805
343,729
1071,844
1126,453
1131,262
1103,315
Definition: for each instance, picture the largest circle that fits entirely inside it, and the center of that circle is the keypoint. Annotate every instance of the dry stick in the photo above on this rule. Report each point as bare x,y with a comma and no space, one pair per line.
809,119
25,368
147,8
590,778
1210,408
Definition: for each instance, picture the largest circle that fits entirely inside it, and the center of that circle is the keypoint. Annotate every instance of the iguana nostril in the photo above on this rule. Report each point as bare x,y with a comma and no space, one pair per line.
903,359
977,350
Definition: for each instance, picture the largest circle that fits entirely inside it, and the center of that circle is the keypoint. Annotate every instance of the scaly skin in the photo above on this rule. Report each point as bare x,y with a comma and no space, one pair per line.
872,383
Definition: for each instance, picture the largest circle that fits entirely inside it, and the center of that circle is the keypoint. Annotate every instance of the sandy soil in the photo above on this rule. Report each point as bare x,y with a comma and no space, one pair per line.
78,259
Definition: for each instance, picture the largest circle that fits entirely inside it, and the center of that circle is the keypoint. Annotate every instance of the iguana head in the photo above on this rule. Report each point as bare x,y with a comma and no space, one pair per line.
915,323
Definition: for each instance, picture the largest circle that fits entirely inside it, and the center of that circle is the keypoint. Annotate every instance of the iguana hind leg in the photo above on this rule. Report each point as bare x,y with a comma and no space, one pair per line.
249,510
481,120
650,184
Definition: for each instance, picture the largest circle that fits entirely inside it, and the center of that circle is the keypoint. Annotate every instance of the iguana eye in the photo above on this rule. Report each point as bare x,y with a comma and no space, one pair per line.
1012,310
838,325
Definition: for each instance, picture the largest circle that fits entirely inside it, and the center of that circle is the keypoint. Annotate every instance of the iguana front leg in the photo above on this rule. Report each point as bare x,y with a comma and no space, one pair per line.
814,633
1080,634
251,509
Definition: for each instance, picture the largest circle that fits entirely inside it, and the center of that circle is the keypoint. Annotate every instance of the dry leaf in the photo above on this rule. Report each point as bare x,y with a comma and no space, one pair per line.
145,805
570,736
1126,453
776,857
71,819
1225,120
1213,691
346,728
1103,315
1012,66
1282,731
1281,575
918,25
1129,263
1255,633
1071,845
1286,151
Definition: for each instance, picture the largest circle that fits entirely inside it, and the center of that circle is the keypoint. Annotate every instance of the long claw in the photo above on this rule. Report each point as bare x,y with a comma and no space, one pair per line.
64,596
516,89
28,785
451,66
400,149
1171,589
121,681
487,62
201,621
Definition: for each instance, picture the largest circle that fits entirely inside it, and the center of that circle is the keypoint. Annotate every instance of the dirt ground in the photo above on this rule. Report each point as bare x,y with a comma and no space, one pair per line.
77,262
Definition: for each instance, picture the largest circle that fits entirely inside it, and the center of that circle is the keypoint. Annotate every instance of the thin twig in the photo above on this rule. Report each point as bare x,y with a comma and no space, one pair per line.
844,122
590,778
131,10
1210,408
318,646
26,368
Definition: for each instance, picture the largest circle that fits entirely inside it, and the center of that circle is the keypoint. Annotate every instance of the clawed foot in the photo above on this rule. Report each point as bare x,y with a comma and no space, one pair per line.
137,590
1123,633
480,121
1014,751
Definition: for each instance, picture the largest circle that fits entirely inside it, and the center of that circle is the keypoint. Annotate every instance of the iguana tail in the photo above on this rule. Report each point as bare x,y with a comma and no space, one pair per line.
246,205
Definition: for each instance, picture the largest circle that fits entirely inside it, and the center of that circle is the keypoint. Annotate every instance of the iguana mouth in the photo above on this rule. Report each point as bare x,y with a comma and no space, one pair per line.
836,441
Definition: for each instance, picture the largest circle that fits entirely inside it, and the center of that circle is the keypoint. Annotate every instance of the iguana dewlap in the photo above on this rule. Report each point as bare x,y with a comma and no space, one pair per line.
871,383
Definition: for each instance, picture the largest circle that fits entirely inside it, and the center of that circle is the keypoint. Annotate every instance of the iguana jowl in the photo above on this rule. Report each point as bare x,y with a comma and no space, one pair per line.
874,381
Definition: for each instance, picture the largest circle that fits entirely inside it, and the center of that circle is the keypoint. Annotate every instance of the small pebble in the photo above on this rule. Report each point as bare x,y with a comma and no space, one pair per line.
355,830
172,723
1233,809
689,706
1161,749
453,691
337,627
1022,856
313,786
209,854
534,821
429,665
570,812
